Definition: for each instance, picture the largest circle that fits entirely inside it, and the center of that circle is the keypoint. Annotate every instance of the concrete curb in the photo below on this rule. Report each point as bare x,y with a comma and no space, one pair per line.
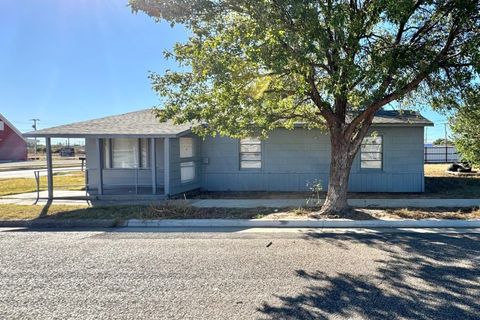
241,223
307,223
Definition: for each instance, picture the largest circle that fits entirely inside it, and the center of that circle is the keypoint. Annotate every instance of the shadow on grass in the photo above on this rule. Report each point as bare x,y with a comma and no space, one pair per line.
174,210
468,187
424,276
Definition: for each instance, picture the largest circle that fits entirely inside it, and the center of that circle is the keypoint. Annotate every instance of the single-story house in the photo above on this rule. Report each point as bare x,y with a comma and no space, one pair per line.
135,153
13,147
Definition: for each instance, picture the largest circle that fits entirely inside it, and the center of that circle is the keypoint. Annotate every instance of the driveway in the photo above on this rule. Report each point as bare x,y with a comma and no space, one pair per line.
231,275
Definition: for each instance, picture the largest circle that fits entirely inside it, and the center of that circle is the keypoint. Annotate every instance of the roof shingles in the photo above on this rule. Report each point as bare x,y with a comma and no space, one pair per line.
138,123
144,123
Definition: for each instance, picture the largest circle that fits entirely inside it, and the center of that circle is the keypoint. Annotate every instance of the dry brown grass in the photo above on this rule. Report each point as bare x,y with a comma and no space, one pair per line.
412,213
180,210
436,170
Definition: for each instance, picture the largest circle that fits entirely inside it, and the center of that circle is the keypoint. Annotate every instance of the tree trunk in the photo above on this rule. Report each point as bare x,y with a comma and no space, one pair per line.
340,165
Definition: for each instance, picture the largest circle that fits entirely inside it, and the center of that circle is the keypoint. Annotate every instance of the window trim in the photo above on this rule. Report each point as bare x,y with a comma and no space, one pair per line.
240,155
194,166
381,144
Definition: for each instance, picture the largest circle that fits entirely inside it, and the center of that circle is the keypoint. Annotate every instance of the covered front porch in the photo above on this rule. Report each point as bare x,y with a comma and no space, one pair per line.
128,166
131,155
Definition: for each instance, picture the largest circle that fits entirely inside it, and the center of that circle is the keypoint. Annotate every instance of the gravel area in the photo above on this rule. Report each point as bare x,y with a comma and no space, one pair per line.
121,275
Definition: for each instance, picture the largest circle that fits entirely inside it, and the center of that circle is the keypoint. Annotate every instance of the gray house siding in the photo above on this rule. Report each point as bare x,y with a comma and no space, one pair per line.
293,159
290,161
402,163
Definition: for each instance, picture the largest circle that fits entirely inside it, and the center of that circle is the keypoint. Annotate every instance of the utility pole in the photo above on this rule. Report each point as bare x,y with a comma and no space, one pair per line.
34,126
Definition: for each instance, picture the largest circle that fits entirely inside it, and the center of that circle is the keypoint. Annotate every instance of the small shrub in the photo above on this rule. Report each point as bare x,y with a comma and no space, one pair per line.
316,189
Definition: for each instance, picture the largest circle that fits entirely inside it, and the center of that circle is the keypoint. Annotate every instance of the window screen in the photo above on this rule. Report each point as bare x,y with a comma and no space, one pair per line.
250,153
186,147
371,156
187,171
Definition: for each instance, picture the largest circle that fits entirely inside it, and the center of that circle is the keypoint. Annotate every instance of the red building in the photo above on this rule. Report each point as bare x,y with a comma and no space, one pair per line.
13,147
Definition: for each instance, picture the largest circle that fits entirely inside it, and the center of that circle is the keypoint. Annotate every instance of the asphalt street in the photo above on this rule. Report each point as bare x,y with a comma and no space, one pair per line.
238,275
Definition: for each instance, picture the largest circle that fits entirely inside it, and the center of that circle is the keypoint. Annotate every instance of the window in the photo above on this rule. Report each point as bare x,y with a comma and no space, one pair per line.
371,153
2,126
126,153
250,153
187,171
186,147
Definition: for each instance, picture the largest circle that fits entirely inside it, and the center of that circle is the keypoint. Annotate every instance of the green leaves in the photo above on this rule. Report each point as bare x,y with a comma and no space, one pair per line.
466,128
248,64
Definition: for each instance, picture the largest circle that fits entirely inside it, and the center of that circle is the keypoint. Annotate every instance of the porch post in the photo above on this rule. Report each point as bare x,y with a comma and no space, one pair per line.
153,164
100,165
48,145
166,165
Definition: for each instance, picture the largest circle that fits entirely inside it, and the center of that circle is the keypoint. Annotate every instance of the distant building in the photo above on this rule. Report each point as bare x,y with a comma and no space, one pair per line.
13,147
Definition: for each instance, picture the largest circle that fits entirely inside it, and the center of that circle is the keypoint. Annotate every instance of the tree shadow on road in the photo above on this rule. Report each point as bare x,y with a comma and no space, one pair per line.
424,276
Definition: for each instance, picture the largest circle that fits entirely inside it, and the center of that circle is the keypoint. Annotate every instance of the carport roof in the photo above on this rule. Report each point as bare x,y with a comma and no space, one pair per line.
143,123
138,123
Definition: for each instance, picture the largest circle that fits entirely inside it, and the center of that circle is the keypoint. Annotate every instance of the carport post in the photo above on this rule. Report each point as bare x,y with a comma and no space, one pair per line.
153,165
100,165
166,165
48,147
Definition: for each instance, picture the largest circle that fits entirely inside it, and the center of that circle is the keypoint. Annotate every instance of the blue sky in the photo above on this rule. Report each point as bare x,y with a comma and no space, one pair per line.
69,60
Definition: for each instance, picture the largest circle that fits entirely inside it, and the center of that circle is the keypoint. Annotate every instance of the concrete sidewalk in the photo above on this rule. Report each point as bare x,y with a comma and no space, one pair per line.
29,198
78,197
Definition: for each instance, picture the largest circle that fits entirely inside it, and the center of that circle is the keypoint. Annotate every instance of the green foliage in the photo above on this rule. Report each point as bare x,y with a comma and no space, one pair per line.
466,128
316,189
441,141
253,65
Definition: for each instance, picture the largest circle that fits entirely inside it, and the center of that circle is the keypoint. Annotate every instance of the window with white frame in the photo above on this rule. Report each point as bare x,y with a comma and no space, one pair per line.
371,153
250,153
187,168
2,125
186,147
187,171
127,153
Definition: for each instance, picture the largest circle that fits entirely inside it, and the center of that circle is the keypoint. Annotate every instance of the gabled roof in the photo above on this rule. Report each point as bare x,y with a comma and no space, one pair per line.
401,117
137,123
11,126
143,123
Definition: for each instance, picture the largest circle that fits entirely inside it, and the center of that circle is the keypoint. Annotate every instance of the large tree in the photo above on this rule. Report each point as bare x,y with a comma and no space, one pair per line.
466,128
250,66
